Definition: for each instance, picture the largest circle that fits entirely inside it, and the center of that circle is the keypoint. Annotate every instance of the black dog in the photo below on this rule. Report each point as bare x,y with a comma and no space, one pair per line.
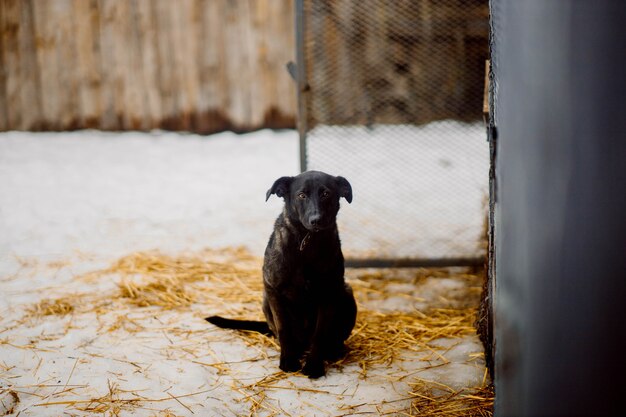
307,303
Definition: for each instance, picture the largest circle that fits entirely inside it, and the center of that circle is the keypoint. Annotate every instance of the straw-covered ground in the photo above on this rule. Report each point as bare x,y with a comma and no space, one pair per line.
130,339
109,331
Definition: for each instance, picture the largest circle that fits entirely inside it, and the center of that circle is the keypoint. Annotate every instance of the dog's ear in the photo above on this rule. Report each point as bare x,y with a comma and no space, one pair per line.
280,188
345,189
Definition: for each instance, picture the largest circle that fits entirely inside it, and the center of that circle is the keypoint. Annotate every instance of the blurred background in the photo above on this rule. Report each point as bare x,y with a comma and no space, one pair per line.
152,129
389,95
194,65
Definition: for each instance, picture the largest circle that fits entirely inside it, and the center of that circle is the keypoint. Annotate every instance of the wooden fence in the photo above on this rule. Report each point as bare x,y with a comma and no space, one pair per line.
212,65
195,65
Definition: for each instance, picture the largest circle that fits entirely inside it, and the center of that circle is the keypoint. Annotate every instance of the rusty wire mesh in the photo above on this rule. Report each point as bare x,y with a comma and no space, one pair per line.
391,97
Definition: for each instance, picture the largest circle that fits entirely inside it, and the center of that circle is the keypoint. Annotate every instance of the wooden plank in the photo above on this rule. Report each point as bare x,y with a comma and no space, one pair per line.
256,42
264,83
88,67
238,71
214,87
55,59
11,56
283,28
45,27
146,30
108,63
276,46
3,79
68,80
167,85
118,34
128,51
178,117
30,86
184,40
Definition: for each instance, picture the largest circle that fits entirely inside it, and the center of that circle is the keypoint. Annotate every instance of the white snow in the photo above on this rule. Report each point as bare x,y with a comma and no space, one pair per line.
73,202
418,191
115,193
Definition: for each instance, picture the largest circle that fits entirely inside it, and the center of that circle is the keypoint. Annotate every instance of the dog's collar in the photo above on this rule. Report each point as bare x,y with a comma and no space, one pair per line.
305,241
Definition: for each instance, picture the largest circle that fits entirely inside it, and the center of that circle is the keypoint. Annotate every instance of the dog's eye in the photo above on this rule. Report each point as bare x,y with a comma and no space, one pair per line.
326,194
301,196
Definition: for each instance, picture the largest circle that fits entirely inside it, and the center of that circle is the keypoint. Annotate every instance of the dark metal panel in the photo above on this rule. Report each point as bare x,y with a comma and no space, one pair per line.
561,224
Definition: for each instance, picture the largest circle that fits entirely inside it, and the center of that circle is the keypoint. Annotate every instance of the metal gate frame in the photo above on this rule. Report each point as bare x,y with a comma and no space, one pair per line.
299,73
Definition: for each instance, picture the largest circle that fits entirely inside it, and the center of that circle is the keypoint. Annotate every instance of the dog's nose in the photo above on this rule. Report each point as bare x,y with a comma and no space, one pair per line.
315,220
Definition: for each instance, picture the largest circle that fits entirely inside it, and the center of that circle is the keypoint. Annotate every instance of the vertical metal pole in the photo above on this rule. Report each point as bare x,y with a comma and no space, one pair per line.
301,81
561,204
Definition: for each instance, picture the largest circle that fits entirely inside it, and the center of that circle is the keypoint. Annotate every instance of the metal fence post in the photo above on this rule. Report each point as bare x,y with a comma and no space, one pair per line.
301,82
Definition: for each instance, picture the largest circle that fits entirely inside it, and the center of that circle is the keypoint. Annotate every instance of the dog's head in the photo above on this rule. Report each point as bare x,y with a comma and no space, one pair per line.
312,198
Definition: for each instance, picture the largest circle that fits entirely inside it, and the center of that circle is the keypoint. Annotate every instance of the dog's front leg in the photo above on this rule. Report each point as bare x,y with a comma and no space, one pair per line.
291,349
314,366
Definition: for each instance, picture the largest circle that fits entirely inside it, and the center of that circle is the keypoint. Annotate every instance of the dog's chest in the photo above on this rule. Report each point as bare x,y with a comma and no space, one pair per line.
303,266
308,280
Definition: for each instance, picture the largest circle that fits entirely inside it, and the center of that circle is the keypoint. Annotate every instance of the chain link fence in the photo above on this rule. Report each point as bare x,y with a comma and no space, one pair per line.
391,97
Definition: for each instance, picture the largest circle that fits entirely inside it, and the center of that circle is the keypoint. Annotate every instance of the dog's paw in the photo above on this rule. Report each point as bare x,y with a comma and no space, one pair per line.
314,369
289,364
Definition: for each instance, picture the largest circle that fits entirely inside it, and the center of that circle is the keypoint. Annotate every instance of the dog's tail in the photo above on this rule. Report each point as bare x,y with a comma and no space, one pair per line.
252,325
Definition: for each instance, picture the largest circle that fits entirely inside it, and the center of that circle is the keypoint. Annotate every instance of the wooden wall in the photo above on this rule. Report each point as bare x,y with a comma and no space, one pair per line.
211,65
195,65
